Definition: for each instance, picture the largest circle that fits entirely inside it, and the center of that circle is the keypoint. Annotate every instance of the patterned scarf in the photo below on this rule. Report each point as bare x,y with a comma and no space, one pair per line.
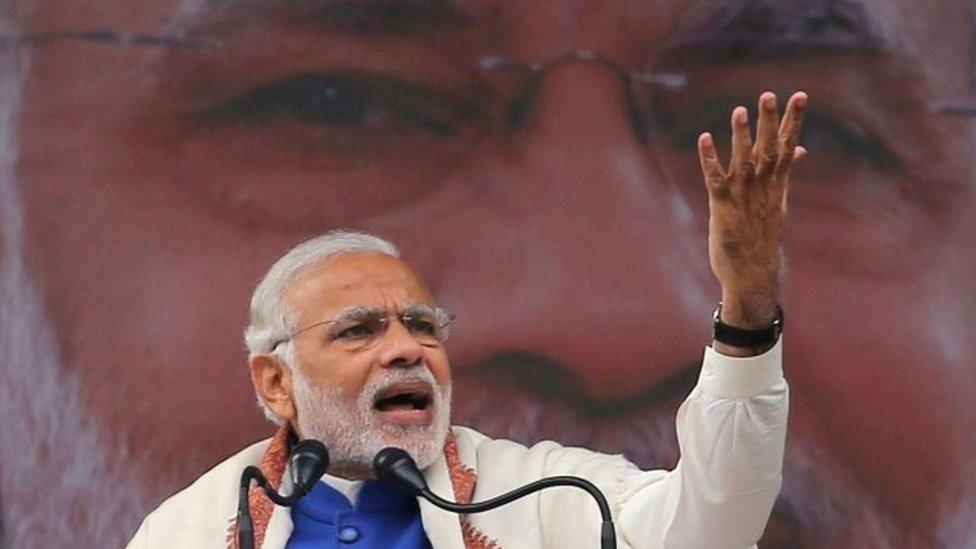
463,480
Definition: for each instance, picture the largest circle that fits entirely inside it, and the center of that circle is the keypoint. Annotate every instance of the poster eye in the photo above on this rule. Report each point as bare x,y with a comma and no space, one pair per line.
345,99
830,134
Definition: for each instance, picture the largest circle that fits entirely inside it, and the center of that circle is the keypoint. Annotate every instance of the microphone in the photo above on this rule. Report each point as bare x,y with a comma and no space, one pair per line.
308,462
395,467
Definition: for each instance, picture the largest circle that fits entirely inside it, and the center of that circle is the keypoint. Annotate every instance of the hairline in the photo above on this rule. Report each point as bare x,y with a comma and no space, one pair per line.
269,303
271,318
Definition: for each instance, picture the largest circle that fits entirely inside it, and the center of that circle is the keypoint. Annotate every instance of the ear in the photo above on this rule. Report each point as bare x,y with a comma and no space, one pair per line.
272,382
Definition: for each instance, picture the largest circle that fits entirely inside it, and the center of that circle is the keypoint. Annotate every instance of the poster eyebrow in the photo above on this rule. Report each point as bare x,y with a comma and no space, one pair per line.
365,17
765,29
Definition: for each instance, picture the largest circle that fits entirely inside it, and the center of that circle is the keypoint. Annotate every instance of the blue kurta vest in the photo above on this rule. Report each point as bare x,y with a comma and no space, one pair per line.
382,518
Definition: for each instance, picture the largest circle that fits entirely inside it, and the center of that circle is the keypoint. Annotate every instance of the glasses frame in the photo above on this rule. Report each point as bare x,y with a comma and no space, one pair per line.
533,72
669,80
443,319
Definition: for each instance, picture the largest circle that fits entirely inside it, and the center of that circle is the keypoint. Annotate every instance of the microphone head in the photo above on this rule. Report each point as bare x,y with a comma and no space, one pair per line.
309,461
395,467
386,457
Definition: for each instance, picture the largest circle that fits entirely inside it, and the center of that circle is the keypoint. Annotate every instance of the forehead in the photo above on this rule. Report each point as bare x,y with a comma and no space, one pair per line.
356,279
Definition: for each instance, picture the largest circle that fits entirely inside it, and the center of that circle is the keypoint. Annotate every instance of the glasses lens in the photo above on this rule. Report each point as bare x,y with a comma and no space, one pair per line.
425,327
355,333
428,327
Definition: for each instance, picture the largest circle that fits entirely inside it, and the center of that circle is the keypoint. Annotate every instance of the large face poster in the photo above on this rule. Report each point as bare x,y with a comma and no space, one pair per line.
536,162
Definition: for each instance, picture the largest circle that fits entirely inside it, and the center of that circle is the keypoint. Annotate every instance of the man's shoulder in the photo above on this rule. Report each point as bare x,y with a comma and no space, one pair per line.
200,513
547,457
212,486
553,517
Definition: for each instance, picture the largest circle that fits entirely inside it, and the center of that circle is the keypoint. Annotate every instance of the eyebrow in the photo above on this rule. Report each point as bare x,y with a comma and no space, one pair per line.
768,29
360,311
357,313
364,17
420,308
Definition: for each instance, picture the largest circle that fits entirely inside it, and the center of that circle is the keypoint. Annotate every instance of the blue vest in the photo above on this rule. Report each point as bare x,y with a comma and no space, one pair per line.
382,518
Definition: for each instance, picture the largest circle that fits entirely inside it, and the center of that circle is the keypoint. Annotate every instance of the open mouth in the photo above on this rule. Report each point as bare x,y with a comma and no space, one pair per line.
408,403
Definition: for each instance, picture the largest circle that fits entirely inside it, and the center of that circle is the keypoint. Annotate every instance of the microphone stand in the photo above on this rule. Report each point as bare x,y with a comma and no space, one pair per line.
396,468
608,538
245,525
308,463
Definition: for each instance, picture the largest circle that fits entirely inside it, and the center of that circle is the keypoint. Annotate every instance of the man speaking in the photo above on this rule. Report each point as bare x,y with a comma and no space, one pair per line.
346,346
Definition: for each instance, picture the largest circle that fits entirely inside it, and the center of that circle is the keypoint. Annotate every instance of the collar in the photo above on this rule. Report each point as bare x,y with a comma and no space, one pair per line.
348,488
448,476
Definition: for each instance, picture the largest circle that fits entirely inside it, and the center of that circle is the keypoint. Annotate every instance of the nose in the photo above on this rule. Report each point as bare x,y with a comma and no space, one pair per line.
579,250
399,349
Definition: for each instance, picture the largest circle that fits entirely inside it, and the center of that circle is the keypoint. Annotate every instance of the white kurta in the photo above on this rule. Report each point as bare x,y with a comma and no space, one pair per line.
731,434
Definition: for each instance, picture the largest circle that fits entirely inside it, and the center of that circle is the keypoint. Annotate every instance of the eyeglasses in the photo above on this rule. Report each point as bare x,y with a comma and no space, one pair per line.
530,76
515,107
360,327
102,36
342,132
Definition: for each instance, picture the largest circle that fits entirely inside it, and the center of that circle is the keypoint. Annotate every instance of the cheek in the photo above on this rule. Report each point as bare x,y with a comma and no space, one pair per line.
335,372
436,360
890,395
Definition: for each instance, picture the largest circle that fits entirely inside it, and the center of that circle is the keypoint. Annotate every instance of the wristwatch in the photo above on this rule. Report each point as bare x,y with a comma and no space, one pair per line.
737,337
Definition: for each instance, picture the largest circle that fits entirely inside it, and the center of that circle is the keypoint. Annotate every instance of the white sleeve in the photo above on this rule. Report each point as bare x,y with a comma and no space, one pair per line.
731,434
141,537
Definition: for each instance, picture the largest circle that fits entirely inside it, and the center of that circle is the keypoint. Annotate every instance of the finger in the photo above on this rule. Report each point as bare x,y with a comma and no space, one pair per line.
789,135
715,179
741,165
781,184
798,153
789,128
767,147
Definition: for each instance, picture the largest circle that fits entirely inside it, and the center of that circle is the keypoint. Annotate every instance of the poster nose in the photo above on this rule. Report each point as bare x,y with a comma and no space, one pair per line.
596,262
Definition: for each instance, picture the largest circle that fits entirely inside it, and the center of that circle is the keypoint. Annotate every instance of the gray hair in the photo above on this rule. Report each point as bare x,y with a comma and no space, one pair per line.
270,319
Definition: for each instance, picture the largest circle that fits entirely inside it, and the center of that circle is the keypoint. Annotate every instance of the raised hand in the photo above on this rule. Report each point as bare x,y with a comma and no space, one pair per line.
747,208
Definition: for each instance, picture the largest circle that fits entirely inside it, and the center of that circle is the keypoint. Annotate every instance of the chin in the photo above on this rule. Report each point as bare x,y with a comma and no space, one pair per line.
424,443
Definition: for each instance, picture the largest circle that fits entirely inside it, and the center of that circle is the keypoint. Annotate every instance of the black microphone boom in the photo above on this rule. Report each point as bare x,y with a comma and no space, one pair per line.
396,468
308,462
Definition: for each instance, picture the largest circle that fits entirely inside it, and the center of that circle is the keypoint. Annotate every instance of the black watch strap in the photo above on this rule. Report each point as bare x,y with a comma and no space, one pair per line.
738,337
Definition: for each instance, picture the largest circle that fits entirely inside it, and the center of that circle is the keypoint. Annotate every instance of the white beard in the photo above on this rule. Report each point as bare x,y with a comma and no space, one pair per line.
350,429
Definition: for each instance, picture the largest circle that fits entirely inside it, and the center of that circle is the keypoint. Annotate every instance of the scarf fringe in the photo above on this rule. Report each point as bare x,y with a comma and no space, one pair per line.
273,467
464,479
